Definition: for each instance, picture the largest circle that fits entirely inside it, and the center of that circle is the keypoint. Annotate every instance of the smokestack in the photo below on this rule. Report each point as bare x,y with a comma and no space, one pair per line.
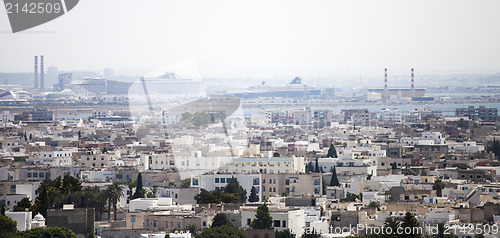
386,92
42,86
36,72
412,84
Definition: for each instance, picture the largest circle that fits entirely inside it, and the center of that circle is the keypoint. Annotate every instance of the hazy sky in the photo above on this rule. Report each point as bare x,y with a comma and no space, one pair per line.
264,38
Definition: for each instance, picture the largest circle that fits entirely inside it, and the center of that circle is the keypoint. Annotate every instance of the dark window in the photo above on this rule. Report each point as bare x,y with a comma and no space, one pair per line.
277,223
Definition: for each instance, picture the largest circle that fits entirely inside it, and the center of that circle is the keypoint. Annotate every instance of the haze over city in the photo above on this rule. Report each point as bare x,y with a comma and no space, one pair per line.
262,39
257,119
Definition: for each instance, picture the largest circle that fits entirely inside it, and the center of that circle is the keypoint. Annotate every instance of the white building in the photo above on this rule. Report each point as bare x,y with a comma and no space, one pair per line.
156,204
433,135
391,115
468,147
6,116
302,116
55,158
283,219
265,165
100,160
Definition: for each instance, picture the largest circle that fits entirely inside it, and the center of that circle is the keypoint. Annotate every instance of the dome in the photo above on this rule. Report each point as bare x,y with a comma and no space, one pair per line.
39,217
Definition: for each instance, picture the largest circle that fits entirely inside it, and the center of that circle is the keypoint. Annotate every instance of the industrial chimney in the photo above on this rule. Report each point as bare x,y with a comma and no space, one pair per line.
41,73
386,92
412,85
36,72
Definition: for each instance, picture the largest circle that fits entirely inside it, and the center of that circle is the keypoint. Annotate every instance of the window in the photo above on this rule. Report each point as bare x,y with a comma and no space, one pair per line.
249,221
223,180
277,223
35,175
41,175
216,180
228,180
283,224
29,175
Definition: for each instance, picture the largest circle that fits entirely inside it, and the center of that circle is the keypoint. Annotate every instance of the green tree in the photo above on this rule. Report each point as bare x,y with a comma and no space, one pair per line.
309,167
393,224
311,234
46,232
374,204
316,166
23,204
2,209
206,197
152,192
263,219
334,181
438,186
114,192
220,219
131,184
225,231
186,117
494,146
253,195
234,187
409,221
186,183
93,197
350,197
332,152
8,227
284,234
139,192
201,119
192,228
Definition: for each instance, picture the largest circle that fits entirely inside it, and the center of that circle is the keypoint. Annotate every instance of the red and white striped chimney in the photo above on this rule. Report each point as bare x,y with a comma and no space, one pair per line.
36,72
386,92
412,84
42,83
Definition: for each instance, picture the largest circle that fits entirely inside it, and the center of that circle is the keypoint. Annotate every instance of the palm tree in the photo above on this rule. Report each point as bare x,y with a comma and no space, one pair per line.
438,186
115,192
131,184
106,194
152,192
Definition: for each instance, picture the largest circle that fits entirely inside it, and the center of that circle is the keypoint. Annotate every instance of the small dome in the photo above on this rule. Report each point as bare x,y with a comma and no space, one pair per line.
39,217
